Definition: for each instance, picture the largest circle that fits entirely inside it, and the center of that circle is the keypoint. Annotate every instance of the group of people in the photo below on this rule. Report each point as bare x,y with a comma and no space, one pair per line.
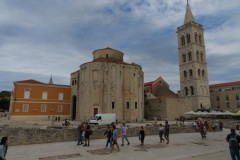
84,131
204,126
164,131
3,148
111,134
66,122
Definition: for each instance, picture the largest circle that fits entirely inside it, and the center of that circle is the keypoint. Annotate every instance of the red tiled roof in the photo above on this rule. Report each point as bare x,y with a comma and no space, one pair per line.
31,81
148,83
224,84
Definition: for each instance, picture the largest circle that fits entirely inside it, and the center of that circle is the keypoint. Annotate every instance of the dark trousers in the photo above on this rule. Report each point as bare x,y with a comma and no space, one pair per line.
142,139
234,154
161,136
109,141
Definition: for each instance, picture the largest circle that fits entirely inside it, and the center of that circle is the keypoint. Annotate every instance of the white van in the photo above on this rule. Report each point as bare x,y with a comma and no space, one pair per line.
103,119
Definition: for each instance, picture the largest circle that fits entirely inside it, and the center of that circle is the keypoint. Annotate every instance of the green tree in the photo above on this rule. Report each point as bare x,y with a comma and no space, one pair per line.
4,103
5,100
5,94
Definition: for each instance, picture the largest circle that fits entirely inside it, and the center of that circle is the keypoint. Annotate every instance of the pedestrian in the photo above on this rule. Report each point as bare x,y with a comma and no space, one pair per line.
114,138
84,128
124,134
80,134
161,132
3,148
142,135
108,132
233,139
166,131
88,132
203,130
220,125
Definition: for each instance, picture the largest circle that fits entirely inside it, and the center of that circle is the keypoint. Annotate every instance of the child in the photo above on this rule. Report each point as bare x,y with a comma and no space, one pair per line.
142,135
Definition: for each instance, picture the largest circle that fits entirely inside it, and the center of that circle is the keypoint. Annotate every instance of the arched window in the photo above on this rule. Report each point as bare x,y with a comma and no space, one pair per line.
196,37
201,56
184,58
192,90
190,73
199,73
188,38
200,39
183,40
186,91
203,73
185,74
189,56
197,56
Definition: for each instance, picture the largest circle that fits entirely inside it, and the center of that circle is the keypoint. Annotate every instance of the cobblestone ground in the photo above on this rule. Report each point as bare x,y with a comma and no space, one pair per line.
187,146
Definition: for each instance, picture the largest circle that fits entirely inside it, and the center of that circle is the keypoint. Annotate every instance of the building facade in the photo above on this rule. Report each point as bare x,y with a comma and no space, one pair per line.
163,103
108,85
193,63
225,96
32,99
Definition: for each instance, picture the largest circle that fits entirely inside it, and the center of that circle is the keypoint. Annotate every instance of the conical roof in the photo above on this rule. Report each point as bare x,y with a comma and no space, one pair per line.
188,15
51,80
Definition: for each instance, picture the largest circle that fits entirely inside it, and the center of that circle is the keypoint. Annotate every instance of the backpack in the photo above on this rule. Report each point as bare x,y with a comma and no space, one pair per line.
233,142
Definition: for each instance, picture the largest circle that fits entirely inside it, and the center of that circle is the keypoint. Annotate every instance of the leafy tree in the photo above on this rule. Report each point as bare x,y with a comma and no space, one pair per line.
5,94
5,100
4,103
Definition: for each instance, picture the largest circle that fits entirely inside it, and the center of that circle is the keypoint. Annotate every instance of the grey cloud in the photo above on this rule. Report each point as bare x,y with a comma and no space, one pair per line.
55,37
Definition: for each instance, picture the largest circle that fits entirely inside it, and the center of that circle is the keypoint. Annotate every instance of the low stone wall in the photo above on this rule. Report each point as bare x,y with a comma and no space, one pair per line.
23,136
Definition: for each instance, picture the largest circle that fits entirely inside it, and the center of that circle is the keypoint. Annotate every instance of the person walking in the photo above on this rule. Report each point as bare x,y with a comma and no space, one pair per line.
108,132
124,134
233,139
80,134
161,132
114,138
3,148
220,125
166,131
142,135
88,132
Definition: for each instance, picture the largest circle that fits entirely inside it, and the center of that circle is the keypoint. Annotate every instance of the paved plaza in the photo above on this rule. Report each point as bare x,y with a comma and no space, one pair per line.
186,146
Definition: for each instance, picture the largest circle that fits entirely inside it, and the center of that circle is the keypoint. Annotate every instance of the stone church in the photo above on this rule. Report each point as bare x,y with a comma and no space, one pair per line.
108,85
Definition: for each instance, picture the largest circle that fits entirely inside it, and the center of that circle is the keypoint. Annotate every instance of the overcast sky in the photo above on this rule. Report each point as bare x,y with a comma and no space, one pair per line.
40,38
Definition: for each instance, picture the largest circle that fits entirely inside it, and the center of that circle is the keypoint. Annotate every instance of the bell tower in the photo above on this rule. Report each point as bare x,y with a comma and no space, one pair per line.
192,62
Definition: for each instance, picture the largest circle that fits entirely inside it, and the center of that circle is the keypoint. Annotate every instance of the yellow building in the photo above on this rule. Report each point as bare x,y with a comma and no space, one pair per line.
32,99
225,96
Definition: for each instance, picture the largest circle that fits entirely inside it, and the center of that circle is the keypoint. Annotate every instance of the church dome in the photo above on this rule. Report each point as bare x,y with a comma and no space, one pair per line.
107,54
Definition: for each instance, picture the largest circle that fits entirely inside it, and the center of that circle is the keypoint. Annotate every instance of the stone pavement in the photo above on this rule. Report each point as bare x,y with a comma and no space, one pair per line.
187,146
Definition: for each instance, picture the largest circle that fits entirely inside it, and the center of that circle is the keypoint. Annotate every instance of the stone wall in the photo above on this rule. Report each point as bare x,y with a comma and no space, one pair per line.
23,136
